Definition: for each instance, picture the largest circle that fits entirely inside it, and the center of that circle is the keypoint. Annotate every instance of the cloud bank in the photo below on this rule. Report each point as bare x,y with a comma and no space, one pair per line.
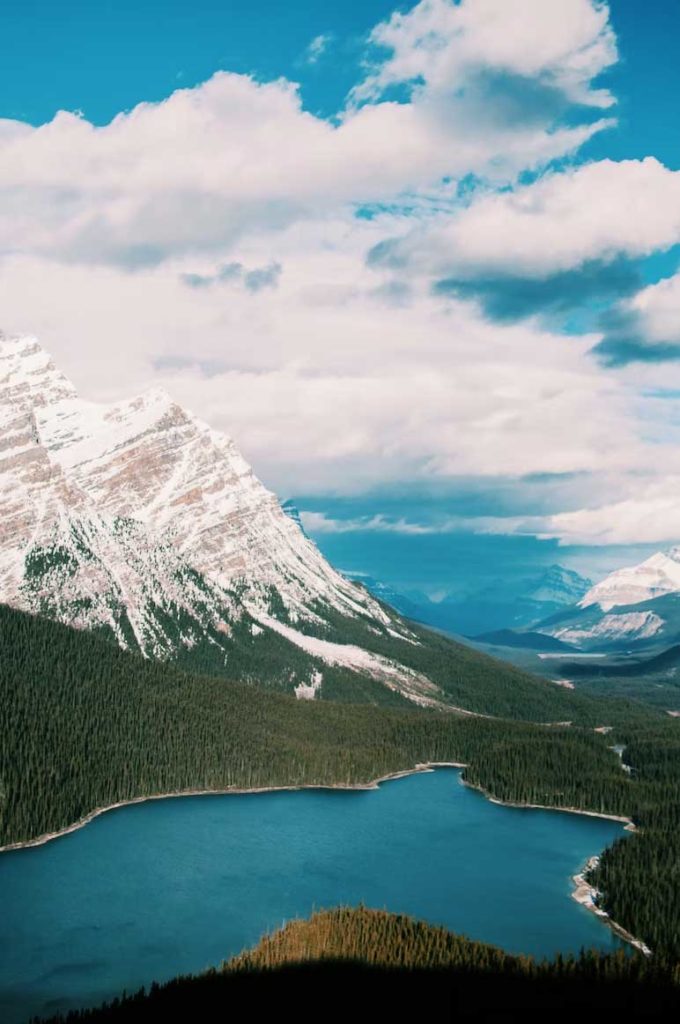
370,297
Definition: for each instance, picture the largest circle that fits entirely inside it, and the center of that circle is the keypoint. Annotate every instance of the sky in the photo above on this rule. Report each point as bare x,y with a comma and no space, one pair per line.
421,261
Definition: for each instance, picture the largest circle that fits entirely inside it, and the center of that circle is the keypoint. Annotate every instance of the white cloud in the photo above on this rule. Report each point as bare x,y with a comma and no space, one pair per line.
597,211
658,309
436,45
209,165
327,381
318,47
318,522
651,516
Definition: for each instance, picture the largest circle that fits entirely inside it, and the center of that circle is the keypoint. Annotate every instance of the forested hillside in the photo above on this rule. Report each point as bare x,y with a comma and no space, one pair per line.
85,725
373,965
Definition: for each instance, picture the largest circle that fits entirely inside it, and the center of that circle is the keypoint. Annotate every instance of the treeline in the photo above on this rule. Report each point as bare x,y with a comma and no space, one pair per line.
246,652
374,965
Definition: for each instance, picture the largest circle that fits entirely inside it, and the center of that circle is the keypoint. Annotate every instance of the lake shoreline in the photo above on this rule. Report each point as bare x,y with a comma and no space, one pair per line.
586,895
425,766
628,823
582,892
47,837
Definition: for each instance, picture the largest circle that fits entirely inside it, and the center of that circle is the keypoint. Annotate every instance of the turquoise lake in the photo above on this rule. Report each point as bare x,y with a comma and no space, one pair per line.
172,886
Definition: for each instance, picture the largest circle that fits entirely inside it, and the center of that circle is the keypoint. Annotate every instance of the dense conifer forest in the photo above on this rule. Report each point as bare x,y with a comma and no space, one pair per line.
85,725
375,966
640,876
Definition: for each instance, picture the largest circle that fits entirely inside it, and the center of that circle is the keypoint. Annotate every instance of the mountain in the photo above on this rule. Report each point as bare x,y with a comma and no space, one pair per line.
558,586
506,603
139,521
149,460
410,604
637,606
637,584
526,640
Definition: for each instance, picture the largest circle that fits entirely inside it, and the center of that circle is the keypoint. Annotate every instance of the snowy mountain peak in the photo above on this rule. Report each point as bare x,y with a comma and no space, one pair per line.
28,375
559,585
656,576
109,506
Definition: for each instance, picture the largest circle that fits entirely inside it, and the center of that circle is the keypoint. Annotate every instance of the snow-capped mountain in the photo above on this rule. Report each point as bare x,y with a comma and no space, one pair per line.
150,460
141,520
634,584
638,604
558,586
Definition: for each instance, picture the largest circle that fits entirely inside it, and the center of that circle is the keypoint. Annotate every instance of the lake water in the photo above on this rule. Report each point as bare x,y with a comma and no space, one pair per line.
172,886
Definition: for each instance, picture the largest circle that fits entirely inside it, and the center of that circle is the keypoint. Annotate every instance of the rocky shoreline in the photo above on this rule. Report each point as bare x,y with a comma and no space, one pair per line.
587,895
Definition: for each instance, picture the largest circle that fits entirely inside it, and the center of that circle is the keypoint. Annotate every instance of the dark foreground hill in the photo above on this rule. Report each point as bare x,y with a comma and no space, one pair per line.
368,965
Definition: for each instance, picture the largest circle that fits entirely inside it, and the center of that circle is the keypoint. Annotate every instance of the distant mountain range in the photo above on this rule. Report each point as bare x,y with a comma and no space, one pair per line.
140,522
504,604
634,609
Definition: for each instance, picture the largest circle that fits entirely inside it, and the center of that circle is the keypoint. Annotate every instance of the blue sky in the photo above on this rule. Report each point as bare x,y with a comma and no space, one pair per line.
105,57
420,260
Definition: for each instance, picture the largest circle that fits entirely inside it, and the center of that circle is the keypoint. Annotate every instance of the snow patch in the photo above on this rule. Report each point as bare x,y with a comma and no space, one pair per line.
308,691
631,625
410,684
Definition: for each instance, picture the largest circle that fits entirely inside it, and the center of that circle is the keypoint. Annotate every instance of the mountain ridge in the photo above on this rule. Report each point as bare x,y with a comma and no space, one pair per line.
634,606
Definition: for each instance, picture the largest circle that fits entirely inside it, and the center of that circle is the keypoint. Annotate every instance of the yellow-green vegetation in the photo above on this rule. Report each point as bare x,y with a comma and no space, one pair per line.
373,937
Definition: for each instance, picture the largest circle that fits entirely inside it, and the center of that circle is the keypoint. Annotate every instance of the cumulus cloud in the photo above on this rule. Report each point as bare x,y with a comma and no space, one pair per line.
325,381
207,166
650,516
564,221
645,329
507,298
439,45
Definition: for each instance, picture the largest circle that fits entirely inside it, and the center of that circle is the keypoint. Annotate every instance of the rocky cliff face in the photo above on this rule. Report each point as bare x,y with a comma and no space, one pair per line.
139,519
